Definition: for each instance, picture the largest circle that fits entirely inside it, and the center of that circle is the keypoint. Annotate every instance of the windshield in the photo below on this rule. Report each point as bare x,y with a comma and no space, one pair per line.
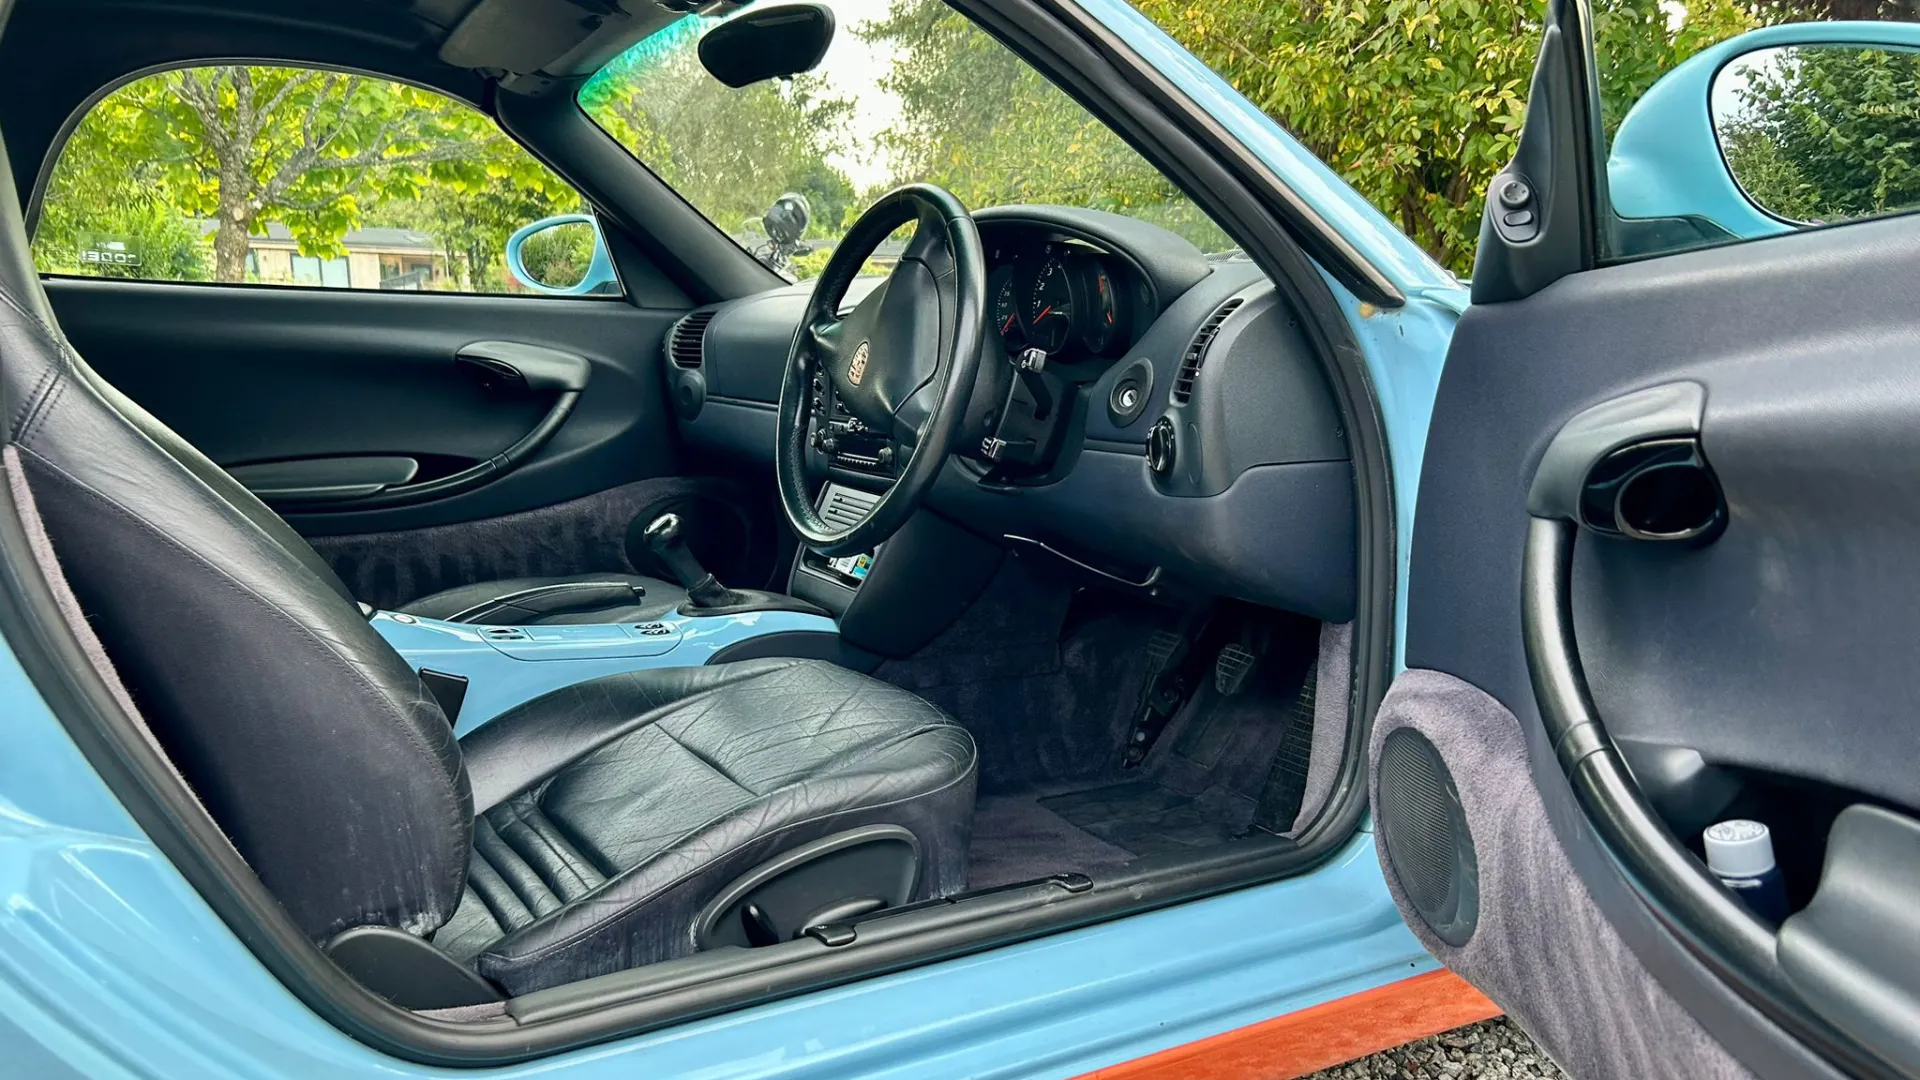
909,91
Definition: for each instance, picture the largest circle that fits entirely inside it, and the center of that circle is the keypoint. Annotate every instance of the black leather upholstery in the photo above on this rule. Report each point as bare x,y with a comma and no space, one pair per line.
303,732
608,810
660,598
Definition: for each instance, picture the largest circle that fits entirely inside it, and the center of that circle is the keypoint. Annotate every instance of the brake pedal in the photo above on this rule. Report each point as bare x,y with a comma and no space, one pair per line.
1160,649
1169,656
1230,671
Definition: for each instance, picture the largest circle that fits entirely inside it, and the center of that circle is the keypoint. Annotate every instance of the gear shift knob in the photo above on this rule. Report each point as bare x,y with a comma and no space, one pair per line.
663,537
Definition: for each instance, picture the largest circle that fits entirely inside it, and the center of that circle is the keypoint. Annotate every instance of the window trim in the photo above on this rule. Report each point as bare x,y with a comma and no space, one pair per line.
56,148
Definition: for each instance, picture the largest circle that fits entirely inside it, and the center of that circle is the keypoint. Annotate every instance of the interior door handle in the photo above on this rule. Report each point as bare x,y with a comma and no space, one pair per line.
517,366
506,367
1634,467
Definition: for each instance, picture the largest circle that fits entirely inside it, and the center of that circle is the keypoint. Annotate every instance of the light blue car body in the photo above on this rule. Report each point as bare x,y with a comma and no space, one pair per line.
112,965
1666,159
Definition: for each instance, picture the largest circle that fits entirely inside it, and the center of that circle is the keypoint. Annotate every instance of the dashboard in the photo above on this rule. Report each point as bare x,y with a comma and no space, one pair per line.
1148,413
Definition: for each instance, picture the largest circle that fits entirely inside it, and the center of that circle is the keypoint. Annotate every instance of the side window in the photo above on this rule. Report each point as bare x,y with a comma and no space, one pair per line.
300,177
1730,122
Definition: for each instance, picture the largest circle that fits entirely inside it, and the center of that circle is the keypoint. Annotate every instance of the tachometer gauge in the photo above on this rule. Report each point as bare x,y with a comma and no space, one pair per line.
1100,326
1049,314
1006,308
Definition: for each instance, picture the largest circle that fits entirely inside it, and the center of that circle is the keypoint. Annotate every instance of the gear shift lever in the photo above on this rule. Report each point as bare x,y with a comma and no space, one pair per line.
703,589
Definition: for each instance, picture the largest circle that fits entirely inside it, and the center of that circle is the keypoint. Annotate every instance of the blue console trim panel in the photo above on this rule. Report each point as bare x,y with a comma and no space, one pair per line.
507,665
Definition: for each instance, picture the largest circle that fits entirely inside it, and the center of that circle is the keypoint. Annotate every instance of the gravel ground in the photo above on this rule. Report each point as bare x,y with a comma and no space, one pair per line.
1493,1050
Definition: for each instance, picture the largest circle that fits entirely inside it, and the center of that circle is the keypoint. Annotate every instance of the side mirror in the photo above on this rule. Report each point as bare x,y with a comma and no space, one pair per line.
562,256
1773,130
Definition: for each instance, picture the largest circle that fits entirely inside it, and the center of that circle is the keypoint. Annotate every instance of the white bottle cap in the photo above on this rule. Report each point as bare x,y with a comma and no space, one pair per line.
1739,848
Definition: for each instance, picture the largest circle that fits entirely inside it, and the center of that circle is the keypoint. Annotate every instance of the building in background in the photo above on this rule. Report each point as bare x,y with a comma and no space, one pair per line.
376,258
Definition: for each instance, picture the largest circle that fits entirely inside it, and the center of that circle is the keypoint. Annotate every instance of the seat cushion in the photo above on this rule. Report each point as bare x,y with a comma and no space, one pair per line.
661,597
609,813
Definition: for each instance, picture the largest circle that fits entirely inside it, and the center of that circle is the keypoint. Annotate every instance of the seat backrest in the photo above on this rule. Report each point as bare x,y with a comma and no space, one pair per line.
304,733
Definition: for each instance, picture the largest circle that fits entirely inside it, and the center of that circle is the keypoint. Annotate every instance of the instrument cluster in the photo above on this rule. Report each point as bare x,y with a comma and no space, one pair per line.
1066,299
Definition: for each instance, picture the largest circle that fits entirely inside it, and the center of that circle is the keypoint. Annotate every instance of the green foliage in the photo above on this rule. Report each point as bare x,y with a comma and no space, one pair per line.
319,152
1417,103
1827,134
559,257
1638,41
977,120
729,152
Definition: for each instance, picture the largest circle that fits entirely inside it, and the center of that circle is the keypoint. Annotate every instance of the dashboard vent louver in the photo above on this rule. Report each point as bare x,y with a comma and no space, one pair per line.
686,340
1196,354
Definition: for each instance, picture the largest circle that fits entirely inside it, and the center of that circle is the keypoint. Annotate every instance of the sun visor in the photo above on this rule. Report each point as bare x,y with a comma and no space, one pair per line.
553,38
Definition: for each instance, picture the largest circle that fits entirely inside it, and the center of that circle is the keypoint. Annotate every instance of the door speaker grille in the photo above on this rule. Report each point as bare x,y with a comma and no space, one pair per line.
1424,827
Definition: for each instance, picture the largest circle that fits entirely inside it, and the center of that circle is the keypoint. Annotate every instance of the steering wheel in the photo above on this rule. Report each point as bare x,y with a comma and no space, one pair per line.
903,362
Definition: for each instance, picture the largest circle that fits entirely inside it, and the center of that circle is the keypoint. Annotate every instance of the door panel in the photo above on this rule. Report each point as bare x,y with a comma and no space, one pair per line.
1779,654
263,375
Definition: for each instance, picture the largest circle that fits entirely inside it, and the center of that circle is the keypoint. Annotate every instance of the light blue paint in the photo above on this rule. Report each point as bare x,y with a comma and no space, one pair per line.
1666,157
600,278
502,671
1405,349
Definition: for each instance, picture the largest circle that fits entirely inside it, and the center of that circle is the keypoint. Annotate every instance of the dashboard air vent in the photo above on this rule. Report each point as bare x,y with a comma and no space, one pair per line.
686,340
1196,354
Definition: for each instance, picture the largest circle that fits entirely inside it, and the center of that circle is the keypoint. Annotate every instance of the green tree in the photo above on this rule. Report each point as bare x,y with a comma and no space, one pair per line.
981,122
101,195
320,152
1417,103
1827,134
729,152
246,145
472,212
559,257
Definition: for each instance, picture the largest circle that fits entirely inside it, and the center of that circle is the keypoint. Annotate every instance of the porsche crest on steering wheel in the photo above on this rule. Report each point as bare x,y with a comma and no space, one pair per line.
858,369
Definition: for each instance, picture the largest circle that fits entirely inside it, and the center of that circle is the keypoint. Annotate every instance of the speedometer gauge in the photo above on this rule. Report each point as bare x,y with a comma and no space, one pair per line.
1049,314
1006,308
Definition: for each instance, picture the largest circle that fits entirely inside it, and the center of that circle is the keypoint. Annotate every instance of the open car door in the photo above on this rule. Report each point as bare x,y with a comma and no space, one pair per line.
1663,577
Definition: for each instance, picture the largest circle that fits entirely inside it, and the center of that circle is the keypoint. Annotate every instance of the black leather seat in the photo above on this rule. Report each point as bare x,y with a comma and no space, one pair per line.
609,813
606,812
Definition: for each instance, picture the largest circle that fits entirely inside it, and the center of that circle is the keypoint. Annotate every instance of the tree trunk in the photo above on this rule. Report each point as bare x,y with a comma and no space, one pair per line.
230,244
235,216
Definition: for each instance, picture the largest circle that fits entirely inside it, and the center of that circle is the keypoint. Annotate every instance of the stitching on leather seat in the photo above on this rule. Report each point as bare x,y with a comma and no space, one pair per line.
561,858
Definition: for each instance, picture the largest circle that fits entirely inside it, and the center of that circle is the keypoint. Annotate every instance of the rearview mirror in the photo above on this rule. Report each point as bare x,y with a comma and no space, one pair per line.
1773,130
562,256
768,43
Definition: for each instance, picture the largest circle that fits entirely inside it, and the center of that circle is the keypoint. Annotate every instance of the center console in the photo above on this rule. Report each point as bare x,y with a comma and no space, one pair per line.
891,601
832,582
